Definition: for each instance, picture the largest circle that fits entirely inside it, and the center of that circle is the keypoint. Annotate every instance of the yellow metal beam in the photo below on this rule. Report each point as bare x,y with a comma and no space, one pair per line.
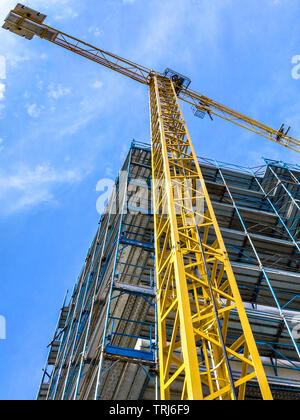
196,287
206,104
197,291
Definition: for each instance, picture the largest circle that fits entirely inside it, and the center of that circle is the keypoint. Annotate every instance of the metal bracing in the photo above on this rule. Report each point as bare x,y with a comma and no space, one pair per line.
93,299
128,232
283,187
133,279
294,171
194,278
264,279
65,338
69,340
124,185
54,348
281,220
119,275
67,384
132,282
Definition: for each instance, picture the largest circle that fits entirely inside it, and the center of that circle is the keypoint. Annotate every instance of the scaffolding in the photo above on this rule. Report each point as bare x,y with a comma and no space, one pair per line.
106,334
105,342
264,225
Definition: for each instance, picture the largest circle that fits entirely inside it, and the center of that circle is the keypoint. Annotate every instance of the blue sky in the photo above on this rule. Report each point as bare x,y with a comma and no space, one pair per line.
66,123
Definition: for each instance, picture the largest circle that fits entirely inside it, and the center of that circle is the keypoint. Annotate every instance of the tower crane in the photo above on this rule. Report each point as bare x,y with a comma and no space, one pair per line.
196,286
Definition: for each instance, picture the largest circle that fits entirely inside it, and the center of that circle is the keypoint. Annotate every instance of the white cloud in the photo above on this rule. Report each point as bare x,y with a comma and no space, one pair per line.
67,13
40,84
42,6
2,67
5,7
94,30
2,76
15,59
39,5
108,172
2,90
76,124
56,92
17,50
34,110
29,187
167,24
97,84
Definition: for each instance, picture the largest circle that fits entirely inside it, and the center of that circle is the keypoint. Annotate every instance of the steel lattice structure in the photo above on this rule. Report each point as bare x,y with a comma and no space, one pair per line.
196,287
196,284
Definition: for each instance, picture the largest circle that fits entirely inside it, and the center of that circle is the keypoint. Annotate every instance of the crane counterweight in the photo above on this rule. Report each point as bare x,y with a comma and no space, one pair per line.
28,23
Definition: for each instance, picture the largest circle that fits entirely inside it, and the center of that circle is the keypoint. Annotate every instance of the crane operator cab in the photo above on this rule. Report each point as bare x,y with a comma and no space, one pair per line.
180,81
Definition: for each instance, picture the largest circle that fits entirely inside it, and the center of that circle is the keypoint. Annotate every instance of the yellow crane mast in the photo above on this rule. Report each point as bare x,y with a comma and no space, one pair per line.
196,287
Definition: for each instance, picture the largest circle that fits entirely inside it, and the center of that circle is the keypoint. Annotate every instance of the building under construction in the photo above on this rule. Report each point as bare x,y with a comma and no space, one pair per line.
105,344
190,289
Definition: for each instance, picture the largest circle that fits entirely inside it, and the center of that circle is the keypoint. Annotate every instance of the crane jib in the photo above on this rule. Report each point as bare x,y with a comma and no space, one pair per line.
27,23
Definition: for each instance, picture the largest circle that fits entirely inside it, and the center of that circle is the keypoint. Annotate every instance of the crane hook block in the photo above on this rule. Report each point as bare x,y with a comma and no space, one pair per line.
27,23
